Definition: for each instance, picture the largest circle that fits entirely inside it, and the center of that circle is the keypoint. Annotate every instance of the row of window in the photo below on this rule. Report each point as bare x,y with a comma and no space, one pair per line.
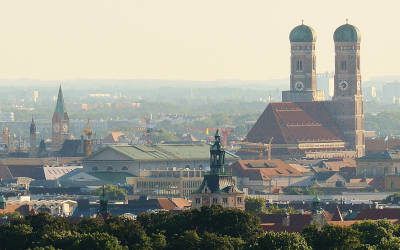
109,168
224,200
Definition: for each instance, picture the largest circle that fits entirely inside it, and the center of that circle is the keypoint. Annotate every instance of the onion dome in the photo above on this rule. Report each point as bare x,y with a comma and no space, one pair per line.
303,34
347,33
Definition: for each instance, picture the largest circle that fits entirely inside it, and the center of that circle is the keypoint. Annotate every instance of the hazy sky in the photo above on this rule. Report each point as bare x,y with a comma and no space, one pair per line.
184,39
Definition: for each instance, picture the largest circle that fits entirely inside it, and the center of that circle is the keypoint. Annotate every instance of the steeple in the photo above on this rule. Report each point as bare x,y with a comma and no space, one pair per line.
217,156
103,206
60,103
32,128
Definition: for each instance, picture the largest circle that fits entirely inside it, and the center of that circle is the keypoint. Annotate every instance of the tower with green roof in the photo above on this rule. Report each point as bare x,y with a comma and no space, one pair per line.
348,99
218,186
60,122
303,77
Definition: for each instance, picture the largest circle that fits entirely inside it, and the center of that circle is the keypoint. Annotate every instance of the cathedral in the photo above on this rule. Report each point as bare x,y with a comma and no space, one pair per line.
303,124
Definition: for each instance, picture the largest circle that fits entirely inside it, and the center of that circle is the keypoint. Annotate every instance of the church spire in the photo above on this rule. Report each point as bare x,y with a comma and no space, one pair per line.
33,127
217,156
60,103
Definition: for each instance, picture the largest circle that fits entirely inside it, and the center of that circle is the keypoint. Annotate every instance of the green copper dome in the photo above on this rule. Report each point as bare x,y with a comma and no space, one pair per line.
302,34
347,33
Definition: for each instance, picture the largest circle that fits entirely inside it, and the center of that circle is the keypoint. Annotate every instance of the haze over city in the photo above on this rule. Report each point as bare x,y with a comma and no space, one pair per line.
181,39
199,125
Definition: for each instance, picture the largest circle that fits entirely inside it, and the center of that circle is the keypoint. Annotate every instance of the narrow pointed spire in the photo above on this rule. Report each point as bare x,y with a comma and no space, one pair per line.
60,102
33,126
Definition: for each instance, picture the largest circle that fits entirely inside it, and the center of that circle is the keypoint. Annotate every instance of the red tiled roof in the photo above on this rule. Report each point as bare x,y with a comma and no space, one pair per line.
336,165
379,214
20,208
375,145
181,203
166,204
274,222
263,169
290,123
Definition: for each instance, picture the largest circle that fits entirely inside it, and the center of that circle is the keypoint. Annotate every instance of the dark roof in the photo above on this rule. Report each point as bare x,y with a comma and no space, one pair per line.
274,222
218,184
71,148
133,207
379,214
291,123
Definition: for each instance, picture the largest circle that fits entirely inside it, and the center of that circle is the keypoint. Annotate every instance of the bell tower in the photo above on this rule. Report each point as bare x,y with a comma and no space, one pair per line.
60,122
32,138
348,99
303,78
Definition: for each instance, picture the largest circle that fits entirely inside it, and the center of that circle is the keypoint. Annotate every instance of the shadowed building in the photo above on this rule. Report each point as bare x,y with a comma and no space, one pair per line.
218,186
303,125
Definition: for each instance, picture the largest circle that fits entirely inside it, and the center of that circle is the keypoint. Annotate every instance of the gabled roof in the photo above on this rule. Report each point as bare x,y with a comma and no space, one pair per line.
292,123
263,169
162,152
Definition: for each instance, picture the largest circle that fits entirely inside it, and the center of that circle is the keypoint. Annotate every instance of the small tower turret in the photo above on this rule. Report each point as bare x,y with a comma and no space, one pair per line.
32,139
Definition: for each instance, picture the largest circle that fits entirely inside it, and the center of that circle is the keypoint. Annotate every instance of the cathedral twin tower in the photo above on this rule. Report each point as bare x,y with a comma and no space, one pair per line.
303,79
303,124
346,107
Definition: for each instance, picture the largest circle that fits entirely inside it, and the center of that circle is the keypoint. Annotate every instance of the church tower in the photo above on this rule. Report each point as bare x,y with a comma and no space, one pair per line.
60,122
348,99
32,138
303,78
218,186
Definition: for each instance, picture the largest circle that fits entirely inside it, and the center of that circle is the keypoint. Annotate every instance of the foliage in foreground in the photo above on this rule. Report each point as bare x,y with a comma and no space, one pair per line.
208,228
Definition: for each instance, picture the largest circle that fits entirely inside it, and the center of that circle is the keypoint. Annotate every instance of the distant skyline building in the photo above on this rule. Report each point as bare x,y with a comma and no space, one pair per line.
32,138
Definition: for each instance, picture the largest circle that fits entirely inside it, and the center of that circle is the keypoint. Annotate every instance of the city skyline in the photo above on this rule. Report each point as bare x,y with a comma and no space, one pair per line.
182,40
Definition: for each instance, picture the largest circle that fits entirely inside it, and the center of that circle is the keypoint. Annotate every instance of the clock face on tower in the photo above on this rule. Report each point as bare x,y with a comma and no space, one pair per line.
299,86
343,85
65,128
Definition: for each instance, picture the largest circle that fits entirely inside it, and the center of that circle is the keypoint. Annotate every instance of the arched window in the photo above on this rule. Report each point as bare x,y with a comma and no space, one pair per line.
299,65
343,65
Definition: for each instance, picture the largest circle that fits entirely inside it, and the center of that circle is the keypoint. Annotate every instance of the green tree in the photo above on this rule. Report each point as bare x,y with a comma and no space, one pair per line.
331,237
392,243
128,231
282,241
189,240
158,241
373,232
15,236
112,192
90,225
255,205
98,241
213,241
